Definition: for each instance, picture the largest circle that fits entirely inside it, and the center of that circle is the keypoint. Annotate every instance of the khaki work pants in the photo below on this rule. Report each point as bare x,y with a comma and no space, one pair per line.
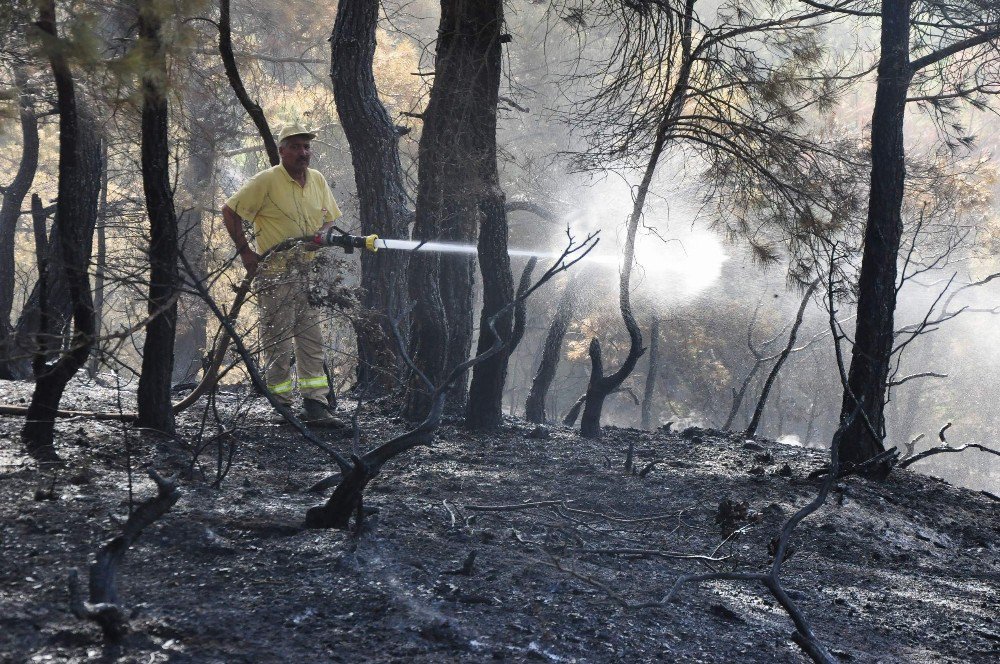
291,328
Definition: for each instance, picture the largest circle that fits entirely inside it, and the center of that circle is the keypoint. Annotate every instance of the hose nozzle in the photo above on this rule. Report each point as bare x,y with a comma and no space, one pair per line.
336,237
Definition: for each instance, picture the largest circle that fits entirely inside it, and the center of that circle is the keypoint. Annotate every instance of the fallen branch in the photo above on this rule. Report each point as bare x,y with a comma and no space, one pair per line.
104,606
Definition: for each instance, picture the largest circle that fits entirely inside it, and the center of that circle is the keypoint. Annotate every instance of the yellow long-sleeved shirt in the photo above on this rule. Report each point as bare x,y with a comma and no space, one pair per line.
280,208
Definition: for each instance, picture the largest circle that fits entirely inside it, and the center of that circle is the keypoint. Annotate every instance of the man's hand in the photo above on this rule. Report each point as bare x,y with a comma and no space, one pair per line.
250,260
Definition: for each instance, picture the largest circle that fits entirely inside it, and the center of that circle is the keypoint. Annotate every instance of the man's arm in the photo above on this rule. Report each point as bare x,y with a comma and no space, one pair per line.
234,226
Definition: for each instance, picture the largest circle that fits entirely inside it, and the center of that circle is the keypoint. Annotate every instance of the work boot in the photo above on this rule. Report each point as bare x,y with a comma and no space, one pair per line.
278,418
317,414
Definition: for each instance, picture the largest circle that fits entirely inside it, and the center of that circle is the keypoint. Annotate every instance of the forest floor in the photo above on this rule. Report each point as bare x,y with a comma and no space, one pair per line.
906,570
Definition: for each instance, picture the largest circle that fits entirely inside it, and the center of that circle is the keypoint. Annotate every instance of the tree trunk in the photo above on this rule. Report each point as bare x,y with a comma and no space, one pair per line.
10,212
44,340
199,186
155,409
382,198
36,335
78,191
873,338
758,412
484,409
654,367
100,264
451,184
485,405
534,407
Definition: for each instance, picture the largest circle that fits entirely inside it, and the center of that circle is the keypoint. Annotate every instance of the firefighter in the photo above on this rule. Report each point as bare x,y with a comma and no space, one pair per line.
287,201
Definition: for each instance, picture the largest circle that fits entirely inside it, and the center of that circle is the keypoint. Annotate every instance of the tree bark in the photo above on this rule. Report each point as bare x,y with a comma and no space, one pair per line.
78,190
36,334
155,409
381,194
873,338
10,211
484,409
534,407
654,367
459,124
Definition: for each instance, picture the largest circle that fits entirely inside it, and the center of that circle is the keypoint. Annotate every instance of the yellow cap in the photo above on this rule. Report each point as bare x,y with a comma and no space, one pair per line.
295,129
370,242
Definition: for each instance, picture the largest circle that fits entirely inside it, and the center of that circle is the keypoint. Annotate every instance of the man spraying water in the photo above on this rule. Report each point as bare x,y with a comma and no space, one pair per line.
287,201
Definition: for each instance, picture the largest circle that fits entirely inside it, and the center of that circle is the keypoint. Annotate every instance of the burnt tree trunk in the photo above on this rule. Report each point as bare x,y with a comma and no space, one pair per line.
654,368
155,409
450,188
484,409
79,187
381,194
534,406
758,412
10,212
873,337
44,341
38,336
600,386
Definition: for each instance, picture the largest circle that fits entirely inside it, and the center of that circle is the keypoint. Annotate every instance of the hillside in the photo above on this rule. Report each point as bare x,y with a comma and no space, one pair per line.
902,571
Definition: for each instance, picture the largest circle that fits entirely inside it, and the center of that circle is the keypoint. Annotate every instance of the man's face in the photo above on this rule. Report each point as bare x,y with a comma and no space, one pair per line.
295,152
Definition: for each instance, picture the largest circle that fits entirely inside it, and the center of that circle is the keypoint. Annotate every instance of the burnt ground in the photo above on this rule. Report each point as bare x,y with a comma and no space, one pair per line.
900,571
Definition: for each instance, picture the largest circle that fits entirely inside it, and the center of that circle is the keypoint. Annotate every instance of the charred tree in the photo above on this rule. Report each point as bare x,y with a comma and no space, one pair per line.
871,356
758,412
874,333
10,212
155,409
601,386
45,342
79,187
459,130
651,373
374,142
534,406
484,409
47,311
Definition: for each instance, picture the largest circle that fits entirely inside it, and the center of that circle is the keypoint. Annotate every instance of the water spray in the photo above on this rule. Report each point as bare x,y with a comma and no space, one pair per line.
336,237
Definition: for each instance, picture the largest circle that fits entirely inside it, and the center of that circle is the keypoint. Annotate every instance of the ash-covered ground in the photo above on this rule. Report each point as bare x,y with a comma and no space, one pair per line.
901,571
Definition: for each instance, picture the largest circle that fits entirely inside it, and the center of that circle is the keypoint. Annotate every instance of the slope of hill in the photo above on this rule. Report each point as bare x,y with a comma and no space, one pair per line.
506,546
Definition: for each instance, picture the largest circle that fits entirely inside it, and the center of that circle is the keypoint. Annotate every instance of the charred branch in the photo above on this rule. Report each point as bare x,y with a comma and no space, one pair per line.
104,604
944,448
